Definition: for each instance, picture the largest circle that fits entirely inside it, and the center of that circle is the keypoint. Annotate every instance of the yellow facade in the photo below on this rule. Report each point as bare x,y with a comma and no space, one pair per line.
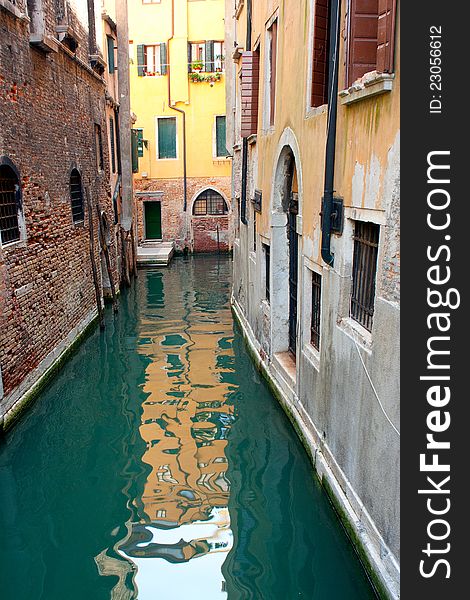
175,23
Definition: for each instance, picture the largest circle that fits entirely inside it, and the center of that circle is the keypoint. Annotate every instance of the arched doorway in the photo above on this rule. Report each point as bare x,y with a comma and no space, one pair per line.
209,222
285,254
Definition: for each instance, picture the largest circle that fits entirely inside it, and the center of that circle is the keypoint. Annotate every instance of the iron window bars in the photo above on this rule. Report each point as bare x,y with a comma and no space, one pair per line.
366,243
210,202
76,197
316,310
9,205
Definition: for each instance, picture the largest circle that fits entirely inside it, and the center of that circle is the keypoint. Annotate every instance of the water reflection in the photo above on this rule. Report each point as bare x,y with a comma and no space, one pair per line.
182,534
157,465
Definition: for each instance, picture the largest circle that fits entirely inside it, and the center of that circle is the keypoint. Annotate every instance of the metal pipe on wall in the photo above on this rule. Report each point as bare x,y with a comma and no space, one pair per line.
327,204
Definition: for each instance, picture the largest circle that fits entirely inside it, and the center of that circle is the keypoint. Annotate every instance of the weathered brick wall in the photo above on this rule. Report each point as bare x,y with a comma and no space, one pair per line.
48,106
196,233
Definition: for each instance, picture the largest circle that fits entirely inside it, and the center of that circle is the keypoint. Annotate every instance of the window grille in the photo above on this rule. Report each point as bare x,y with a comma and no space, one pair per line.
9,226
76,197
99,147
366,243
210,202
267,257
316,311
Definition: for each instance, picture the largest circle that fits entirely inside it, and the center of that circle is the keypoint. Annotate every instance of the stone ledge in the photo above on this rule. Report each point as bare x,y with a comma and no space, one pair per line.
11,8
377,558
370,85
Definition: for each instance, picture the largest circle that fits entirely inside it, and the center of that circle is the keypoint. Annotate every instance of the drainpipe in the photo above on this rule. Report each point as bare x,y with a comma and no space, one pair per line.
185,178
327,207
245,140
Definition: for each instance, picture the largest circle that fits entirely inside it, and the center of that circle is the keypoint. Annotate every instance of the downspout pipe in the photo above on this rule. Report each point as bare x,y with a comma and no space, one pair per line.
327,207
243,218
179,110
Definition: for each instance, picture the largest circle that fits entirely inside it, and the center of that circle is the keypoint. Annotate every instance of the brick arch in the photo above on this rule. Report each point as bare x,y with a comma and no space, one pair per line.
205,189
209,233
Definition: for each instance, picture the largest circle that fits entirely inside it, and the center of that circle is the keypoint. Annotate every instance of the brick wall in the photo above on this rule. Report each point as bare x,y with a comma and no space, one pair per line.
48,106
199,234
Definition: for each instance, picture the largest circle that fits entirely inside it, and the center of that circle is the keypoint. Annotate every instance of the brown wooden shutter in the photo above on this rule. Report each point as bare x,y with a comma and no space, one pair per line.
249,93
386,36
362,56
320,53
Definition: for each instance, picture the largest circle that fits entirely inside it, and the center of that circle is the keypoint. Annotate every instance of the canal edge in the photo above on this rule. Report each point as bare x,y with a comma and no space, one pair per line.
371,549
22,398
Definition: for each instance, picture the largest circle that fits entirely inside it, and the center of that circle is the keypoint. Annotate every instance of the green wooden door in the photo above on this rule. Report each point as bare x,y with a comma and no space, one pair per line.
153,220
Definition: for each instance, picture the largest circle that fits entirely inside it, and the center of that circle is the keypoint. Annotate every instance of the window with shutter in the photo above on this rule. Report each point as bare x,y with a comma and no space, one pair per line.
166,133
140,60
320,53
221,143
272,70
111,66
371,37
113,144
386,36
163,59
135,154
209,58
249,93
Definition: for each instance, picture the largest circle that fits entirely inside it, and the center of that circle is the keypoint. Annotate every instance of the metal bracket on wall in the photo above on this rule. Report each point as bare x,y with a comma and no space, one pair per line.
337,216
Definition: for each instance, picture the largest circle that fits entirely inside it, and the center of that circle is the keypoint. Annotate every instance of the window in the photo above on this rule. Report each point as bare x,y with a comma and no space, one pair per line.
272,57
206,56
112,144
99,148
76,197
221,137
166,135
316,310
267,267
140,141
249,93
10,205
219,56
151,1
254,232
320,62
134,151
371,38
210,202
152,60
111,66
366,243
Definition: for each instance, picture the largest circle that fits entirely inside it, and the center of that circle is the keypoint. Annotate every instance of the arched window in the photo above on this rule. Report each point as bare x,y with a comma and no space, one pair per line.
76,197
10,205
210,202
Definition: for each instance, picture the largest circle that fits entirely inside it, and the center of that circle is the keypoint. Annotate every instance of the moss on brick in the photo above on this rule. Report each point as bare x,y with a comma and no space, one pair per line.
27,400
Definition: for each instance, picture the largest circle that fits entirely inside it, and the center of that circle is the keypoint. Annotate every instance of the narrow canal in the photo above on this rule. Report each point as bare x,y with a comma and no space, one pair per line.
157,465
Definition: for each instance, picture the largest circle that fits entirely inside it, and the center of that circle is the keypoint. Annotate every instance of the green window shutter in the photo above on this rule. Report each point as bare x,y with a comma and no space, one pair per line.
111,66
221,136
167,137
163,59
209,66
140,60
135,156
140,142
190,57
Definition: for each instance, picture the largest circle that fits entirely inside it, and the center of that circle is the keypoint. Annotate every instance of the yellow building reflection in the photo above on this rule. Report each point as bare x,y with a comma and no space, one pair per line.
185,422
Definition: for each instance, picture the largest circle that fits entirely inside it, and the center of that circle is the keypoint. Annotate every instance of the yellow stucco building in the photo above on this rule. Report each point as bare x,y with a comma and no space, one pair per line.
177,72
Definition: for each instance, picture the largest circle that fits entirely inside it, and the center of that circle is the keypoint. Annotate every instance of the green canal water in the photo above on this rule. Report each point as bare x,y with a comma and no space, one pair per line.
157,465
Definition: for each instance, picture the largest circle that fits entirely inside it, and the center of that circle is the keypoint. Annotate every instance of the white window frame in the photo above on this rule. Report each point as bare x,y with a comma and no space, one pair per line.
156,137
156,60
267,70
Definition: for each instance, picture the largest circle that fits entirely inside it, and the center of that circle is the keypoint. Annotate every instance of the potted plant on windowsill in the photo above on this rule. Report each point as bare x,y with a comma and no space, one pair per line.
197,66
